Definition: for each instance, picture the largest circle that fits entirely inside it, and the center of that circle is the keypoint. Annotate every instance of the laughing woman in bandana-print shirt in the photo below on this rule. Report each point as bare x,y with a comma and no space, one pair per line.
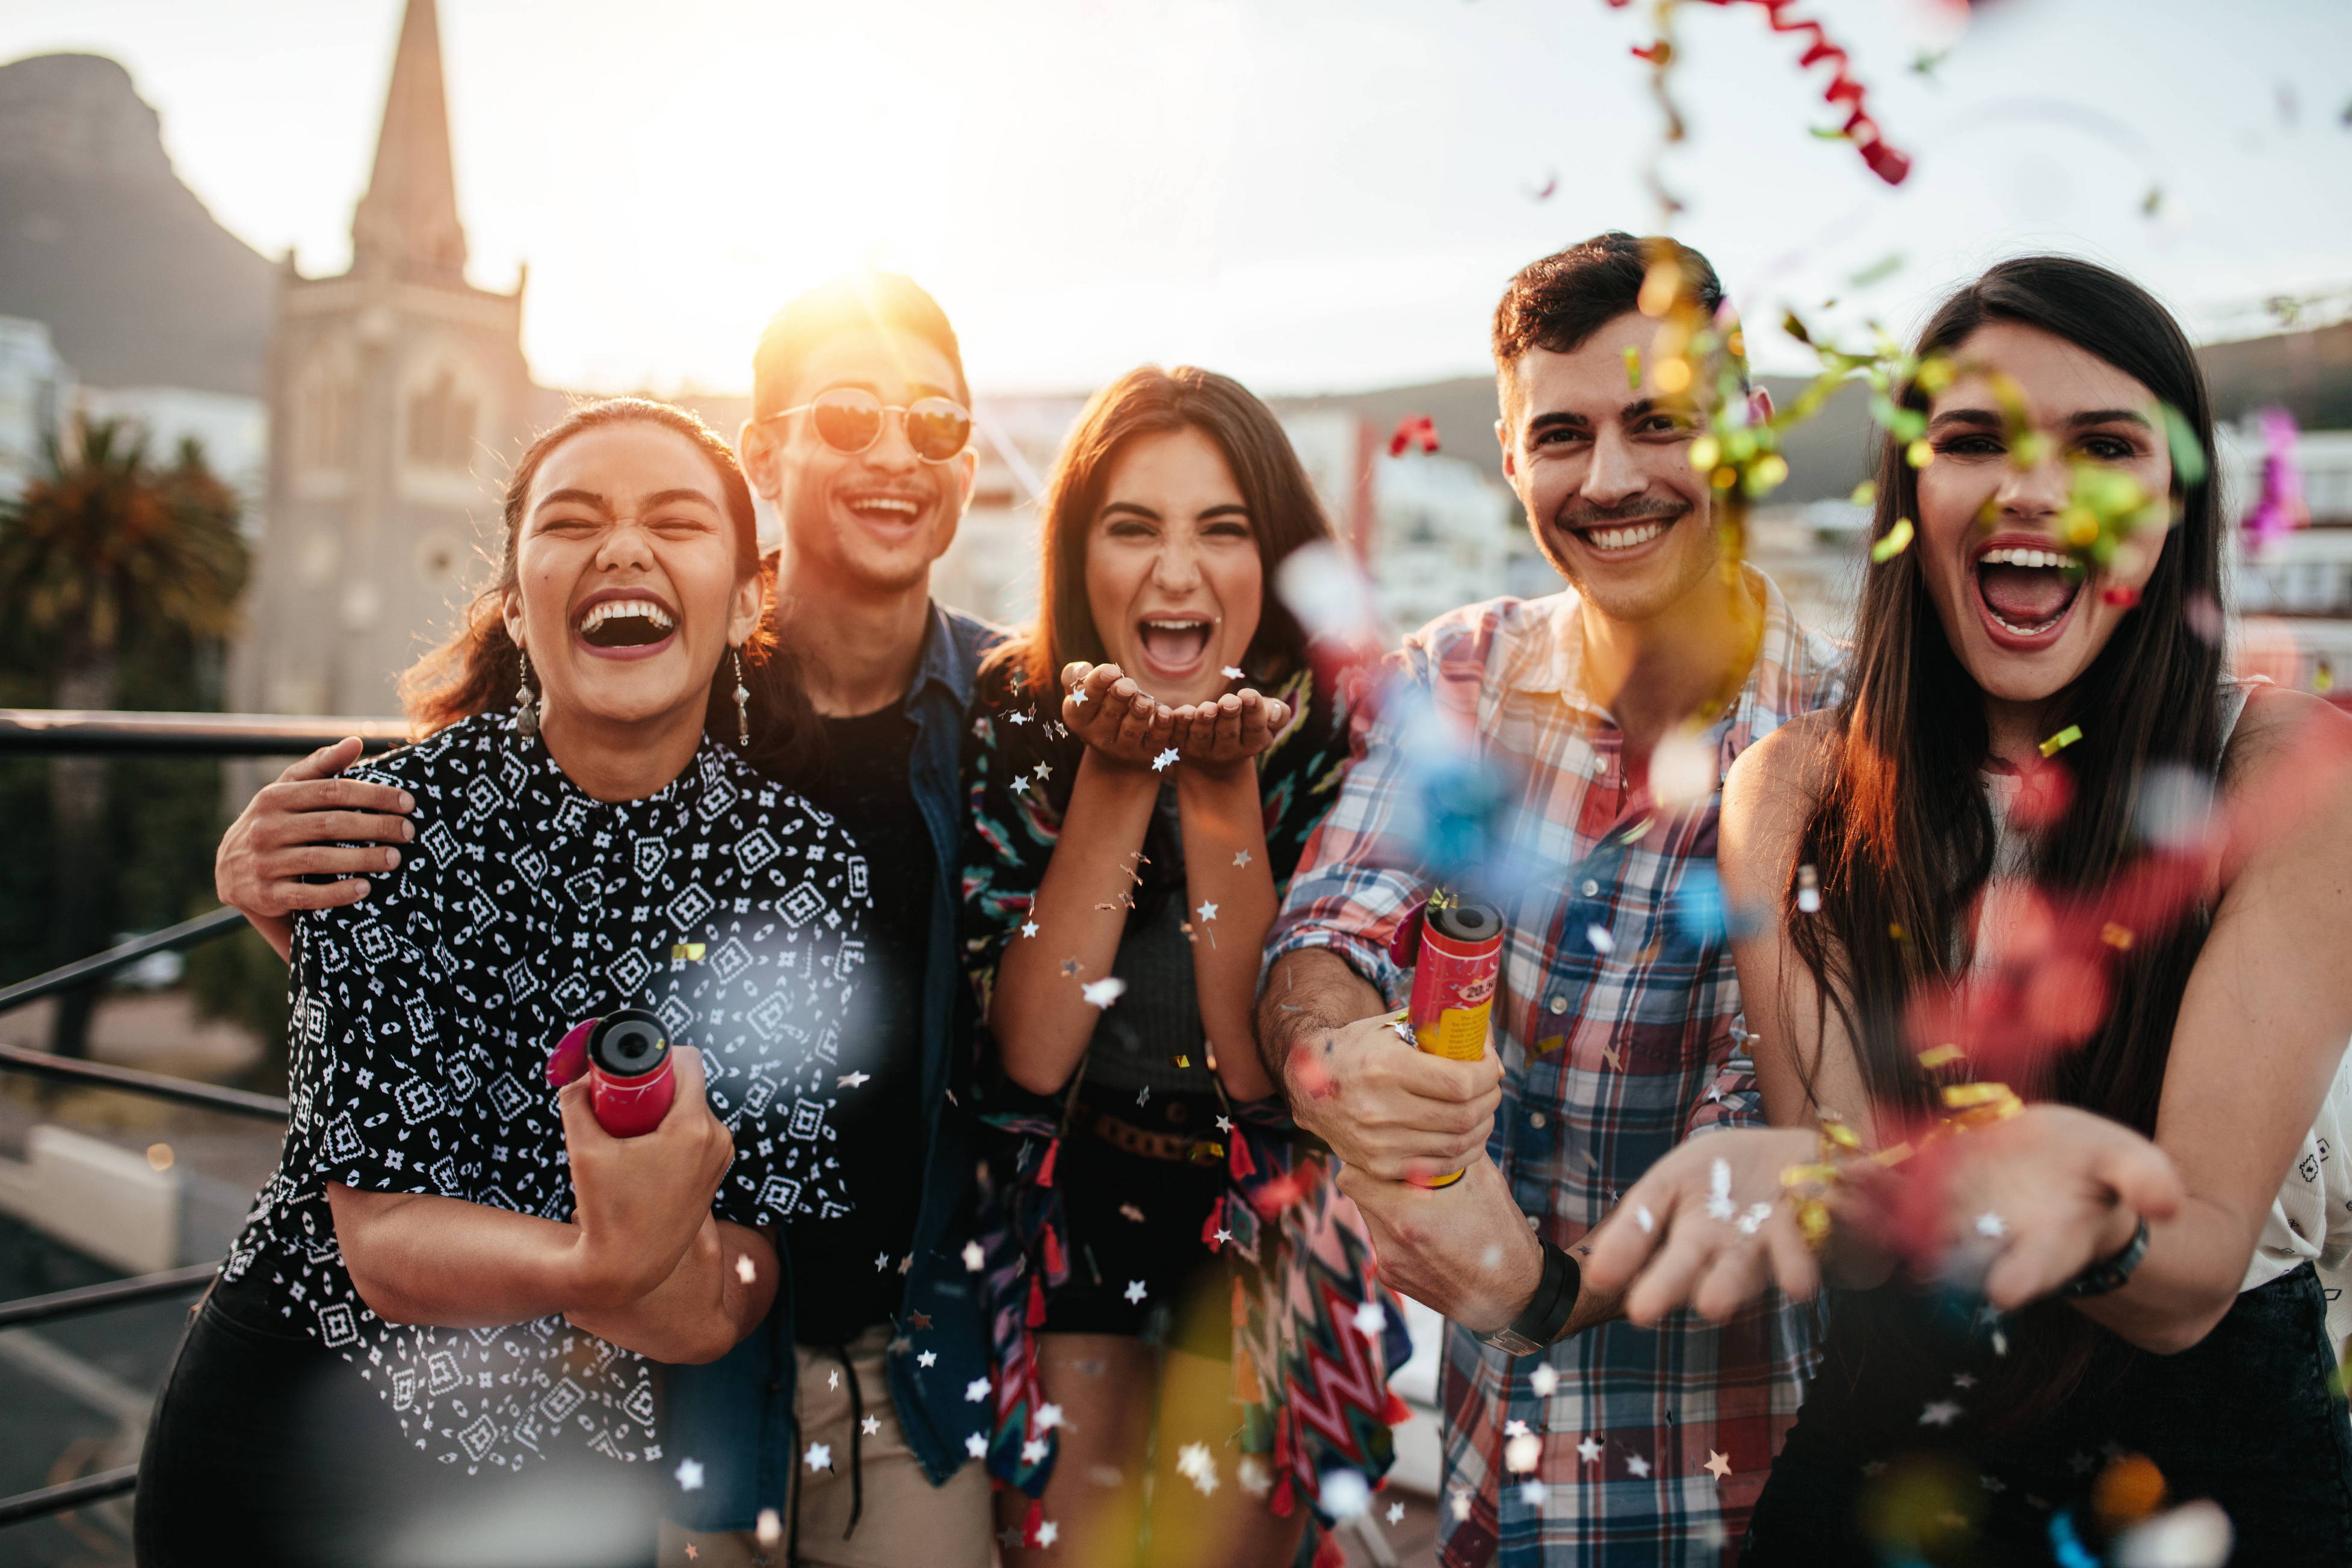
435,1334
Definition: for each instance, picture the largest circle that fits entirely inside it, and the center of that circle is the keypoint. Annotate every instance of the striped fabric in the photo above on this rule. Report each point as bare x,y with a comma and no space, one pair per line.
1618,1021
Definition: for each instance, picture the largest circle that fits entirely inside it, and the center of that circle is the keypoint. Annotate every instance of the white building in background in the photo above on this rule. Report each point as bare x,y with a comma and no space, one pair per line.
1444,534
234,432
36,393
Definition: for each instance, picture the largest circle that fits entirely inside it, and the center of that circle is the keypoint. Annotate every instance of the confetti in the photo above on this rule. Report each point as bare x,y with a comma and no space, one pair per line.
1129,1212
1544,1380
1989,1226
1078,697
1251,1473
1135,1292
1193,1463
686,952
1344,1493
1371,1319
1719,1191
1897,539
1460,1504
1048,1533
871,1427
770,1529
1034,1450
1161,763
1522,1453
975,1391
1589,1450
1233,672
853,1079
1644,1218
690,1475
1103,991
1718,1465
928,1358
1602,942
1809,891
1753,1220
1028,928
745,1270
1207,911
1396,1513
2062,739
1413,430
818,1457
1940,1413
1240,857
1021,718
1637,1466
976,1445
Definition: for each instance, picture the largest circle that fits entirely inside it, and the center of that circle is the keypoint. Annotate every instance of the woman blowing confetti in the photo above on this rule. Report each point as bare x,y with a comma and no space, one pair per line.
1137,800
2044,852
431,1343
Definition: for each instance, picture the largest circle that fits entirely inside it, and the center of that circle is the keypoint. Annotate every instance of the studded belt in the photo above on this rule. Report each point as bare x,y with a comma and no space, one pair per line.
1176,1147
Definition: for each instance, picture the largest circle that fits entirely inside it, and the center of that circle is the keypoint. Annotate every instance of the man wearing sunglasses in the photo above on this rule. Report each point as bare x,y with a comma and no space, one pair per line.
859,1395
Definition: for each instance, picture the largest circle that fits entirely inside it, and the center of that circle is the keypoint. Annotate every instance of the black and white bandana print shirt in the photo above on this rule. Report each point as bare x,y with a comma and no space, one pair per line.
422,1016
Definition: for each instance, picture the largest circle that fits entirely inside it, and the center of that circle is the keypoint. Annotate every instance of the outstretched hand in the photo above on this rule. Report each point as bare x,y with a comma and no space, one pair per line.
1709,1228
1227,730
1110,713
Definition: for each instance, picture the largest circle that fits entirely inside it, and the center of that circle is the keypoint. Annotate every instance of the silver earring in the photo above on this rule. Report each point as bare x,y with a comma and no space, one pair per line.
742,706
526,705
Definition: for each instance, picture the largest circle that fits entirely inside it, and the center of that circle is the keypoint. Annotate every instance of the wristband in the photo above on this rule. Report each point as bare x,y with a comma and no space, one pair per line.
2098,1278
1547,1312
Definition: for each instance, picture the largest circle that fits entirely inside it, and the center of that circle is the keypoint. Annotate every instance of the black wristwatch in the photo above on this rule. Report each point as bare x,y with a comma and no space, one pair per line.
2098,1278
1547,1311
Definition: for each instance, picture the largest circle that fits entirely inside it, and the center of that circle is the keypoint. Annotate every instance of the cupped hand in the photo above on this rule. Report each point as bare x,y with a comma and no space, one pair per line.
1387,1107
2054,1189
640,1202
1110,713
1227,730
1709,1228
295,827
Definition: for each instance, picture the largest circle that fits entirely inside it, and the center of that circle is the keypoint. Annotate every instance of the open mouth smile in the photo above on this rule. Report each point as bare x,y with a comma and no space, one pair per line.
1174,646
625,623
2025,591
1621,537
890,508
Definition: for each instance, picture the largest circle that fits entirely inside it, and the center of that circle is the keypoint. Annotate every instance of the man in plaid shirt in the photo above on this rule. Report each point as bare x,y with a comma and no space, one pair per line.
1613,711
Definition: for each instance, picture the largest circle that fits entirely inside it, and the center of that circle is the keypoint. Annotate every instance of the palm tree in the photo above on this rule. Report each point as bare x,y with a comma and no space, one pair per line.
104,547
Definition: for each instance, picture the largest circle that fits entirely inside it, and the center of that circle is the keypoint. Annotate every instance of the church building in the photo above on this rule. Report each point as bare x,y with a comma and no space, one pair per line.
398,394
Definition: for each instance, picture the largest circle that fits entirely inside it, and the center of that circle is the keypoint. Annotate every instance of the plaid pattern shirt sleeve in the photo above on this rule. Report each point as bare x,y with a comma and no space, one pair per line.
1617,1016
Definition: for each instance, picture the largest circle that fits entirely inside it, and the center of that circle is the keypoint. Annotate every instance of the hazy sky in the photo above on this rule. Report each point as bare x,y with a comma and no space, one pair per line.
1308,193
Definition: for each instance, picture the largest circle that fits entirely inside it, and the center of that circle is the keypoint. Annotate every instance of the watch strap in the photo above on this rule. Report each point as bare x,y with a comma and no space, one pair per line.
2103,1276
1548,1311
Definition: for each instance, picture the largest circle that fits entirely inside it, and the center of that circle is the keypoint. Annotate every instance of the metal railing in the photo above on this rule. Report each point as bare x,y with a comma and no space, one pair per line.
35,732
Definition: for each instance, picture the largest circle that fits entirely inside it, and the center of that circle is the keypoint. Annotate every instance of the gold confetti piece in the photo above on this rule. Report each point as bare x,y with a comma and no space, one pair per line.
1959,1095
2115,936
1918,454
686,952
1549,1044
1940,1056
1182,1061
1897,539
2062,739
1632,368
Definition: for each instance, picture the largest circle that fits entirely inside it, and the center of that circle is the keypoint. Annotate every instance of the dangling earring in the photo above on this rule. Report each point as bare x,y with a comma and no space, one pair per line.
526,705
742,706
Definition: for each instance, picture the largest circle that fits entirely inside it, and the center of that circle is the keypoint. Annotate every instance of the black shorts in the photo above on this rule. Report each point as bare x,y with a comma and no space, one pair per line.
265,1449
1132,1220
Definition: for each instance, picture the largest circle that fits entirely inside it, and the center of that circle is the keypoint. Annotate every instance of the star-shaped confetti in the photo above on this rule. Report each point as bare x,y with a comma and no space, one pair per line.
1718,1465
1719,1191
1233,672
1964,1380
1207,911
1028,928
1521,1454
1638,1466
745,1270
871,1427
1460,1503
1161,763
1224,1123
1193,1463
818,1457
1240,857
915,1320
1531,1492
975,1391
1048,1533
1021,718
1103,991
976,1445
973,1257
1079,697
1396,1513
1371,1318
1070,966
1135,1290
1753,1220
1044,771
690,1475
1032,1452
1048,1417
833,1379
1515,1428
1589,1450
1544,1380
1989,1225
1940,1413
692,1551
1602,942
1222,1235
881,1262
853,1079
928,1358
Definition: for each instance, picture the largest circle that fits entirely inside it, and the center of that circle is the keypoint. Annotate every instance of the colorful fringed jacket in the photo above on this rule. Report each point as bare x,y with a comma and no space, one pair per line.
1310,1365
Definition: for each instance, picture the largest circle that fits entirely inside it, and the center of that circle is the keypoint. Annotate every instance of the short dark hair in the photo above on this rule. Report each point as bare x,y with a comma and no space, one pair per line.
878,301
1559,302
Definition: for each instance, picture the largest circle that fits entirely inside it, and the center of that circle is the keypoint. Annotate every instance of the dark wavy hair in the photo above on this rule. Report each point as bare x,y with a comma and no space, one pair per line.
478,669
1902,839
1283,510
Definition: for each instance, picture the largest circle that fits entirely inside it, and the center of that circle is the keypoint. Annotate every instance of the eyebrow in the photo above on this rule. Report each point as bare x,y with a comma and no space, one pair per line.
1223,509
591,499
1989,419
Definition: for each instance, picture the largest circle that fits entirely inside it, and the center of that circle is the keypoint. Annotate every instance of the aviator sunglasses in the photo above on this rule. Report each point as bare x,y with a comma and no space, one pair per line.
850,419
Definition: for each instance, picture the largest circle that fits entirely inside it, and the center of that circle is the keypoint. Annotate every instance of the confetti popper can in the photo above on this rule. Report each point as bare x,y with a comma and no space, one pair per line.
626,1055
1454,983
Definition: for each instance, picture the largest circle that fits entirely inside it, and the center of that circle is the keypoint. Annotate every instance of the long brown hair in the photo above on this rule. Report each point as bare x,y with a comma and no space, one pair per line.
479,669
1282,511
1902,839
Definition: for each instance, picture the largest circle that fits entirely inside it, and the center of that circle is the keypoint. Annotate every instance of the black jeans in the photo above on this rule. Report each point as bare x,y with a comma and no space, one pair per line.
2244,1417
266,1451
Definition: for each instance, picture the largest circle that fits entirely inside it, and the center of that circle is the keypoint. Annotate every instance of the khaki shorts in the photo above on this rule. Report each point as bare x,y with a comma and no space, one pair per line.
905,1522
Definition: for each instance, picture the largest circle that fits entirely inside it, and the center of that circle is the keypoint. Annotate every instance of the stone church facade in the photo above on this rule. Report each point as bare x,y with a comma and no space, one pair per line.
398,394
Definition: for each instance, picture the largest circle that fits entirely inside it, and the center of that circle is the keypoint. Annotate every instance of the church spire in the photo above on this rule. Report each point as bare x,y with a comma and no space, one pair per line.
407,222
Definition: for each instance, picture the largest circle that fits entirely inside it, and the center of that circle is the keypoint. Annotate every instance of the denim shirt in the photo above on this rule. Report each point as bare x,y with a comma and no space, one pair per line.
735,1415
